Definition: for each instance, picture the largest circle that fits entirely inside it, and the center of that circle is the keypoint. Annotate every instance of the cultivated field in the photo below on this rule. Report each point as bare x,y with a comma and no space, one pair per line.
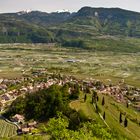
18,59
7,129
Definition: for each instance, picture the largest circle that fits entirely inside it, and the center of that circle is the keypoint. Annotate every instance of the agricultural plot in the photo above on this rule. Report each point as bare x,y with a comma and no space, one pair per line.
18,59
7,129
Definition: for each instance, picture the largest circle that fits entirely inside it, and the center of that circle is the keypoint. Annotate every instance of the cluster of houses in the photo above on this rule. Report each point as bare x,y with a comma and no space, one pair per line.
6,95
119,92
10,95
32,84
23,127
5,83
116,91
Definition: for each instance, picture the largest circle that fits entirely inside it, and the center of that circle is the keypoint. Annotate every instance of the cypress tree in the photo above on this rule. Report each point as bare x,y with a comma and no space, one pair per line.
103,101
120,119
97,109
104,116
85,98
97,98
125,122
94,94
127,105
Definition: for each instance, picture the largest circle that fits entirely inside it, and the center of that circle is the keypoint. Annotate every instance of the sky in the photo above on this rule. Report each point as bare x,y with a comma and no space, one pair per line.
71,5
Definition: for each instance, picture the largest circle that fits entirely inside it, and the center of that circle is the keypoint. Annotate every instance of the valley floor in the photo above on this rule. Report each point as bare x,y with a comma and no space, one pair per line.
16,60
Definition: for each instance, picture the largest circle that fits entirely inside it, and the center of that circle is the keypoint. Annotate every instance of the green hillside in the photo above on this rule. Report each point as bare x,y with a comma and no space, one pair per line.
87,23
16,31
113,21
112,110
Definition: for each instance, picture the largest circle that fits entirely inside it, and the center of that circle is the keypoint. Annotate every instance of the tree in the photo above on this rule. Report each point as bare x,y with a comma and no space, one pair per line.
125,122
94,96
127,105
85,98
97,98
88,90
120,119
75,91
65,90
104,116
94,93
103,101
40,105
97,109
58,129
57,125
74,43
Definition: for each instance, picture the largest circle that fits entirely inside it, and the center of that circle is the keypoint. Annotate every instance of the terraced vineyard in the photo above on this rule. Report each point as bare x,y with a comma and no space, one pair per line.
112,110
7,129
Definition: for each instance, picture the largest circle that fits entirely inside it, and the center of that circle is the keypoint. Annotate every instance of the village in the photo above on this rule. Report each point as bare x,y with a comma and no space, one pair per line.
41,79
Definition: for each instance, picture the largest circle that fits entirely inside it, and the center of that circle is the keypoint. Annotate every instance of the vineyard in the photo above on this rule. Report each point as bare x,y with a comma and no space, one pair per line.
7,129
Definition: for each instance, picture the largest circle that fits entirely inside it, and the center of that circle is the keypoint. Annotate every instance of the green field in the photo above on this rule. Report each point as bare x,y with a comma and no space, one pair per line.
112,115
7,129
101,65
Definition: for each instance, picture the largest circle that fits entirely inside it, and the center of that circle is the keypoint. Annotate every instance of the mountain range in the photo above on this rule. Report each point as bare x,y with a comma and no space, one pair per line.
87,23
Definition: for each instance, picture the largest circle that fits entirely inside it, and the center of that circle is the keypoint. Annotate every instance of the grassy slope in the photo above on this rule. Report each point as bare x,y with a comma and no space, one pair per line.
112,115
7,129
112,118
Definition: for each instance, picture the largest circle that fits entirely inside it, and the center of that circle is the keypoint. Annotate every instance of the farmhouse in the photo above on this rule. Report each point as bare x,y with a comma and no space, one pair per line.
18,118
25,130
32,124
